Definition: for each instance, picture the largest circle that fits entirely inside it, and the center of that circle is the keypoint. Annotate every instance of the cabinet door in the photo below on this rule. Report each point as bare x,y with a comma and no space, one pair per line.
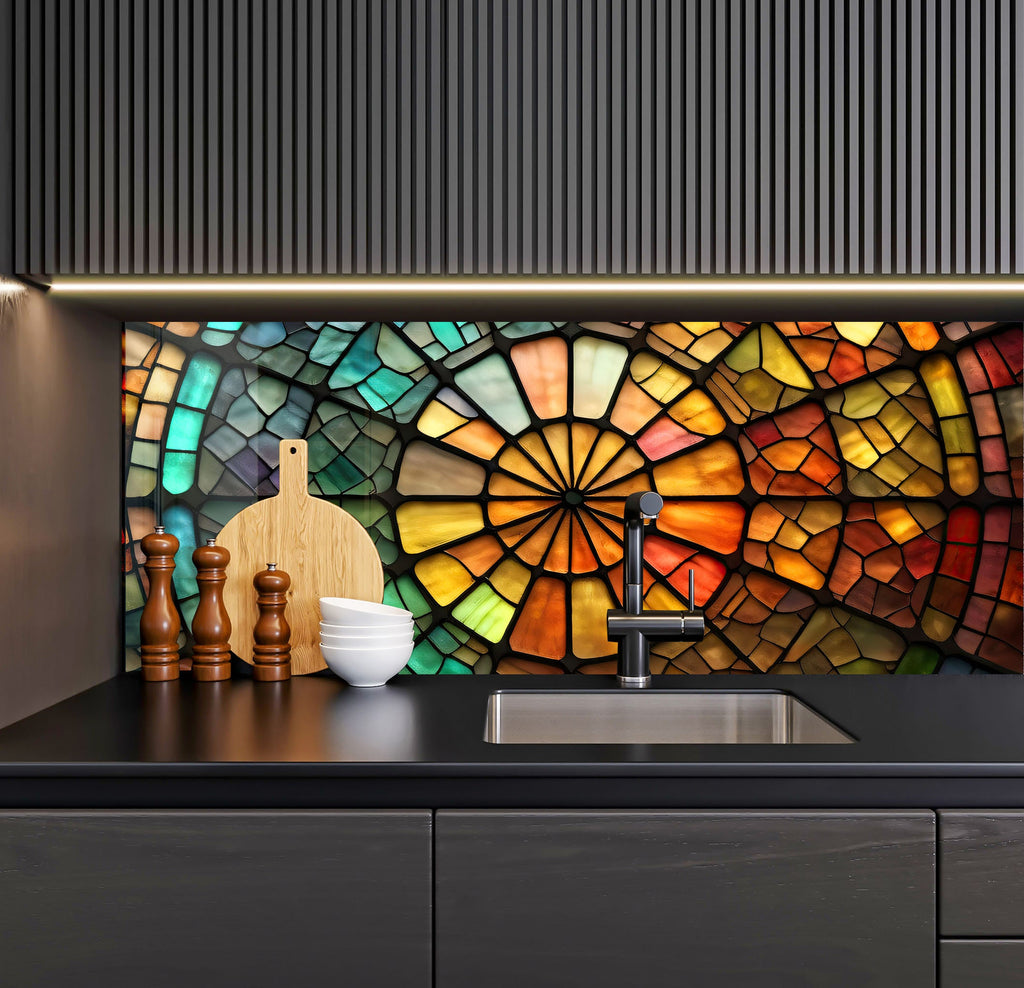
171,899
608,898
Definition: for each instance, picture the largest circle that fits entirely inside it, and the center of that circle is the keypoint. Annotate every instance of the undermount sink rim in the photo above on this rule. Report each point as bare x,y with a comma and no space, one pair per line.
830,733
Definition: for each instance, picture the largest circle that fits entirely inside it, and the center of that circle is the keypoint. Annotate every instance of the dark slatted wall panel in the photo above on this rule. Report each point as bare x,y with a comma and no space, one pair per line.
556,136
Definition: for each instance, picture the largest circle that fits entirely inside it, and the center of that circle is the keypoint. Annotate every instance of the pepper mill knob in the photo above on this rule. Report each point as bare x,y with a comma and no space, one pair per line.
271,652
211,626
160,624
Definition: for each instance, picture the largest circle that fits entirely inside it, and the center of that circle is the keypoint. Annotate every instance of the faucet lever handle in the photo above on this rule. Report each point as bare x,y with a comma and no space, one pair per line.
690,604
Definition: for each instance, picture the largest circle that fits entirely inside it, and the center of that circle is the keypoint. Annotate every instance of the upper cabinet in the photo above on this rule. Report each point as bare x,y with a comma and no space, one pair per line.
497,136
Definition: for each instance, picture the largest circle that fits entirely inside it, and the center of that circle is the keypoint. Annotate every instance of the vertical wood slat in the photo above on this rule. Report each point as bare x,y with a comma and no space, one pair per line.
507,136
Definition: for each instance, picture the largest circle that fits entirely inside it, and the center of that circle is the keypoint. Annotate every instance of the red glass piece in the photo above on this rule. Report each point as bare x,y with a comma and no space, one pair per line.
964,525
665,437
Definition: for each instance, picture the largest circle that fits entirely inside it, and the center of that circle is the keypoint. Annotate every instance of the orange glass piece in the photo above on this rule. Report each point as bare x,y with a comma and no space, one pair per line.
582,440
627,462
510,579
698,413
604,450
518,665
533,549
543,368
591,602
535,447
608,546
715,525
501,513
634,408
558,557
477,438
920,335
583,560
478,555
515,463
712,469
444,578
540,628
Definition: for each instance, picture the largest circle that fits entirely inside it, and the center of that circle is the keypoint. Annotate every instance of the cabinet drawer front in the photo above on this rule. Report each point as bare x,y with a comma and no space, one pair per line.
981,873
981,963
745,899
173,899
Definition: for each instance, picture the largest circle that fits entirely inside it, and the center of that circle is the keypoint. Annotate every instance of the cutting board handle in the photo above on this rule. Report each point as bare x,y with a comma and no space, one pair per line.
294,475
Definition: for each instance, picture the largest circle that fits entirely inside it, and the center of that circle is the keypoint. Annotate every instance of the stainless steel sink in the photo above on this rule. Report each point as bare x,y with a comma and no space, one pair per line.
655,717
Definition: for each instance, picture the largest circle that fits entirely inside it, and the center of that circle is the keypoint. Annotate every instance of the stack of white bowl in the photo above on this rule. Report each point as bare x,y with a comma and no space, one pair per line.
362,642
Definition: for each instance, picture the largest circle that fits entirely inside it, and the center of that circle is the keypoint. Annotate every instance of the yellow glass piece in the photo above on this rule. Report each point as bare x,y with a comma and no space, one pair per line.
634,408
444,578
129,409
897,420
596,367
701,328
429,470
533,445
136,347
660,598
861,333
820,515
557,437
543,367
877,436
161,385
698,413
853,444
515,463
790,535
898,382
746,354
438,420
936,625
607,445
924,448
510,579
708,347
957,435
778,360
662,381
591,602
863,667
171,356
424,525
583,438
140,482
712,469
861,400
627,462
485,613
920,335
963,474
943,385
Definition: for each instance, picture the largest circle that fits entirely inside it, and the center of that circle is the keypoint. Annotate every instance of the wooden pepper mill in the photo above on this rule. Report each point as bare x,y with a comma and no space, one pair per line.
211,626
160,623
271,651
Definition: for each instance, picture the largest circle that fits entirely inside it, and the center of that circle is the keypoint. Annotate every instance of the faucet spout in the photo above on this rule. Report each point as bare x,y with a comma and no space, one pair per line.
631,626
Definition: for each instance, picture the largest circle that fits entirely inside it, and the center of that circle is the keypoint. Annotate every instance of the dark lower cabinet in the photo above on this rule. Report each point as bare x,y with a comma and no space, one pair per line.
606,898
179,899
981,963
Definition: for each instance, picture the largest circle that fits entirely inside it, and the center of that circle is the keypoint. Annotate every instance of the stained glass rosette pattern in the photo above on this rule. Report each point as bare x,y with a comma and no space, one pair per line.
848,494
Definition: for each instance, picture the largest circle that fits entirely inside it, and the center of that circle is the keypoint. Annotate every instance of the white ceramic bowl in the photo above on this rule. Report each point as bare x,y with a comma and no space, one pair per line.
369,641
347,610
363,666
366,631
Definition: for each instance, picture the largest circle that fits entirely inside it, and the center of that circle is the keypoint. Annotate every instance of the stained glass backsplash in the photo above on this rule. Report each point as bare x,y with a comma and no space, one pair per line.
849,494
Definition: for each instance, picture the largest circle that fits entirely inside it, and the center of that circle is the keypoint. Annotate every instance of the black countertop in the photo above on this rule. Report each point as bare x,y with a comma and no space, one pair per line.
921,741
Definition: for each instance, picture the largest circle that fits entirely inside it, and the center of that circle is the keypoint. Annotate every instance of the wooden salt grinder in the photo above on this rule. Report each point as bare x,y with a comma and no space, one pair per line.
271,652
211,626
160,623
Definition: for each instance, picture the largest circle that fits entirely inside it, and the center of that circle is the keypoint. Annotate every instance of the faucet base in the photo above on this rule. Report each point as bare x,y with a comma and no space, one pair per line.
634,682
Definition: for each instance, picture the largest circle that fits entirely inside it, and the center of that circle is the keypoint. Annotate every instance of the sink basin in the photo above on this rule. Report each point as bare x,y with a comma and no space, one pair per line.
655,717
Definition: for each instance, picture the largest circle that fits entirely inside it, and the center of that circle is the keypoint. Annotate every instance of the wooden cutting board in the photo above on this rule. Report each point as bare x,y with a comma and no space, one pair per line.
325,551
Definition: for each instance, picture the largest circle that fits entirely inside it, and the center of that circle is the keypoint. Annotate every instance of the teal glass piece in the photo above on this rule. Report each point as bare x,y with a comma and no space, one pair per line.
372,399
264,334
303,339
282,360
311,374
330,344
448,335
489,384
268,393
425,659
179,472
213,338
200,381
403,592
389,384
470,332
520,330
248,352
186,427
443,640
221,511
224,443
359,362
408,407
227,327
289,422
454,667
394,352
339,476
179,522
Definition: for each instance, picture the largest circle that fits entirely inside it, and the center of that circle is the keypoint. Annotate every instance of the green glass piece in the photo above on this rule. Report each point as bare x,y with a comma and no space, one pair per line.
862,667
268,393
520,330
394,352
374,400
288,422
210,471
425,659
200,380
409,406
489,383
443,641
264,334
179,522
311,374
359,362
179,472
213,338
227,327
222,511
596,367
186,427
133,597
452,667
366,511
224,443
485,613
387,551
247,351
339,475
282,360
330,345
918,659
145,454
404,593
303,339
140,482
